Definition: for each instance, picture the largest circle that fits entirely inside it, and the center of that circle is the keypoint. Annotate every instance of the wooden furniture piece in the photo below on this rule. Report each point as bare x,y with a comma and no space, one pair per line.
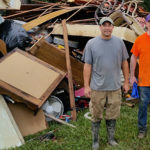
56,57
25,78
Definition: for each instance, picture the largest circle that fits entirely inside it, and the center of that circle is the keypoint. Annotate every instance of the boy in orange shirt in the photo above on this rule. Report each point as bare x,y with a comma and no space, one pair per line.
141,50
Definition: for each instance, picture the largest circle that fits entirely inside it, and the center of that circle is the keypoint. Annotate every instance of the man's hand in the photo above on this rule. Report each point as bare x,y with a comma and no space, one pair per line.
87,92
132,80
126,87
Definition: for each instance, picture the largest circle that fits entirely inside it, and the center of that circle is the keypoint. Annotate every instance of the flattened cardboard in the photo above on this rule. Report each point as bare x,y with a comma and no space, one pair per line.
27,122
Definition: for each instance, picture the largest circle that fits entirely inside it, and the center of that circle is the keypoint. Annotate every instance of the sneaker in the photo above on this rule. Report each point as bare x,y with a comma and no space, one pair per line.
141,135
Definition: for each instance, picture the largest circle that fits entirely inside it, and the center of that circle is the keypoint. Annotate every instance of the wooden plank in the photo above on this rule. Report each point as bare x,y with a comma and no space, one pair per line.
78,10
27,122
34,81
31,6
10,135
60,121
68,64
56,4
56,57
93,31
36,46
45,18
40,2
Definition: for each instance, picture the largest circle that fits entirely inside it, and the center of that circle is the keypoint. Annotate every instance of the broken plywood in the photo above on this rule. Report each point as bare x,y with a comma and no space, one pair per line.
27,122
93,31
27,78
10,135
56,57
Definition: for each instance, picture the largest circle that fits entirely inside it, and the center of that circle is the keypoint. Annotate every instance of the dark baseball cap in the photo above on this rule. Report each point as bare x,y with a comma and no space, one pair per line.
106,19
147,18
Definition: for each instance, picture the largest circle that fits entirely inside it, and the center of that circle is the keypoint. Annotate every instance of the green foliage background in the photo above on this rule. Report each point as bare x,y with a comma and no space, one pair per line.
146,5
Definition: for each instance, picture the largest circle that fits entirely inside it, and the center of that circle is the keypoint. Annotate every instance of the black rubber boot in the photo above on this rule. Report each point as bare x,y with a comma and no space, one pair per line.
95,135
111,132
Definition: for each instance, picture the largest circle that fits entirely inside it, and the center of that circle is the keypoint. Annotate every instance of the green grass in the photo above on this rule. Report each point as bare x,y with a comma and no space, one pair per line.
68,138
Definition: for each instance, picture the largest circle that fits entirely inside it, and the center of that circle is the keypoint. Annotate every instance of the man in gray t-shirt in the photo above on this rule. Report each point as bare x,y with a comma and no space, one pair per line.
104,56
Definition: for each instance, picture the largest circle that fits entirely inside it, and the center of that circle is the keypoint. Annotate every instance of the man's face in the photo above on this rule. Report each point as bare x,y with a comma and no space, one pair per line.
106,29
148,25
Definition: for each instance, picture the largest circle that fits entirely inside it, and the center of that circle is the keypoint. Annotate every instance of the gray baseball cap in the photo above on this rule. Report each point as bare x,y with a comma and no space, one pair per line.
106,19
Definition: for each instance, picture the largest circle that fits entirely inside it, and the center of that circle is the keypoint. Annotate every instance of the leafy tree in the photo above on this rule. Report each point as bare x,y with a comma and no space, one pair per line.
146,4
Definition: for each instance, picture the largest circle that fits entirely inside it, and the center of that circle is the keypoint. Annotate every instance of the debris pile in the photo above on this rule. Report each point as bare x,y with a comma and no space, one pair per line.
41,47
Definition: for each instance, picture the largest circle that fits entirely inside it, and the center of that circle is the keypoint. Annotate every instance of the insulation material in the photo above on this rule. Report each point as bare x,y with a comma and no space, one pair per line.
10,4
10,135
93,31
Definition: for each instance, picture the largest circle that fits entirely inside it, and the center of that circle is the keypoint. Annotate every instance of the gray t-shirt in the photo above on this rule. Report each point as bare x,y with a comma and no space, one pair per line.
106,57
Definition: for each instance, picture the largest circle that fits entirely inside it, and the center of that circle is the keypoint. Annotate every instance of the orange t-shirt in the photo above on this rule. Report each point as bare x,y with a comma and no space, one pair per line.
141,49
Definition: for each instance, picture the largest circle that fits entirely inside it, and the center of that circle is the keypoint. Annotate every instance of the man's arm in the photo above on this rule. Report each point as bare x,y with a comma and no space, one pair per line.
133,61
87,78
125,70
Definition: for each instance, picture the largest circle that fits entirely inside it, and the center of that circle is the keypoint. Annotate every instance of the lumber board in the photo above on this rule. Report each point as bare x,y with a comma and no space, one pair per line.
69,70
93,31
60,121
45,18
